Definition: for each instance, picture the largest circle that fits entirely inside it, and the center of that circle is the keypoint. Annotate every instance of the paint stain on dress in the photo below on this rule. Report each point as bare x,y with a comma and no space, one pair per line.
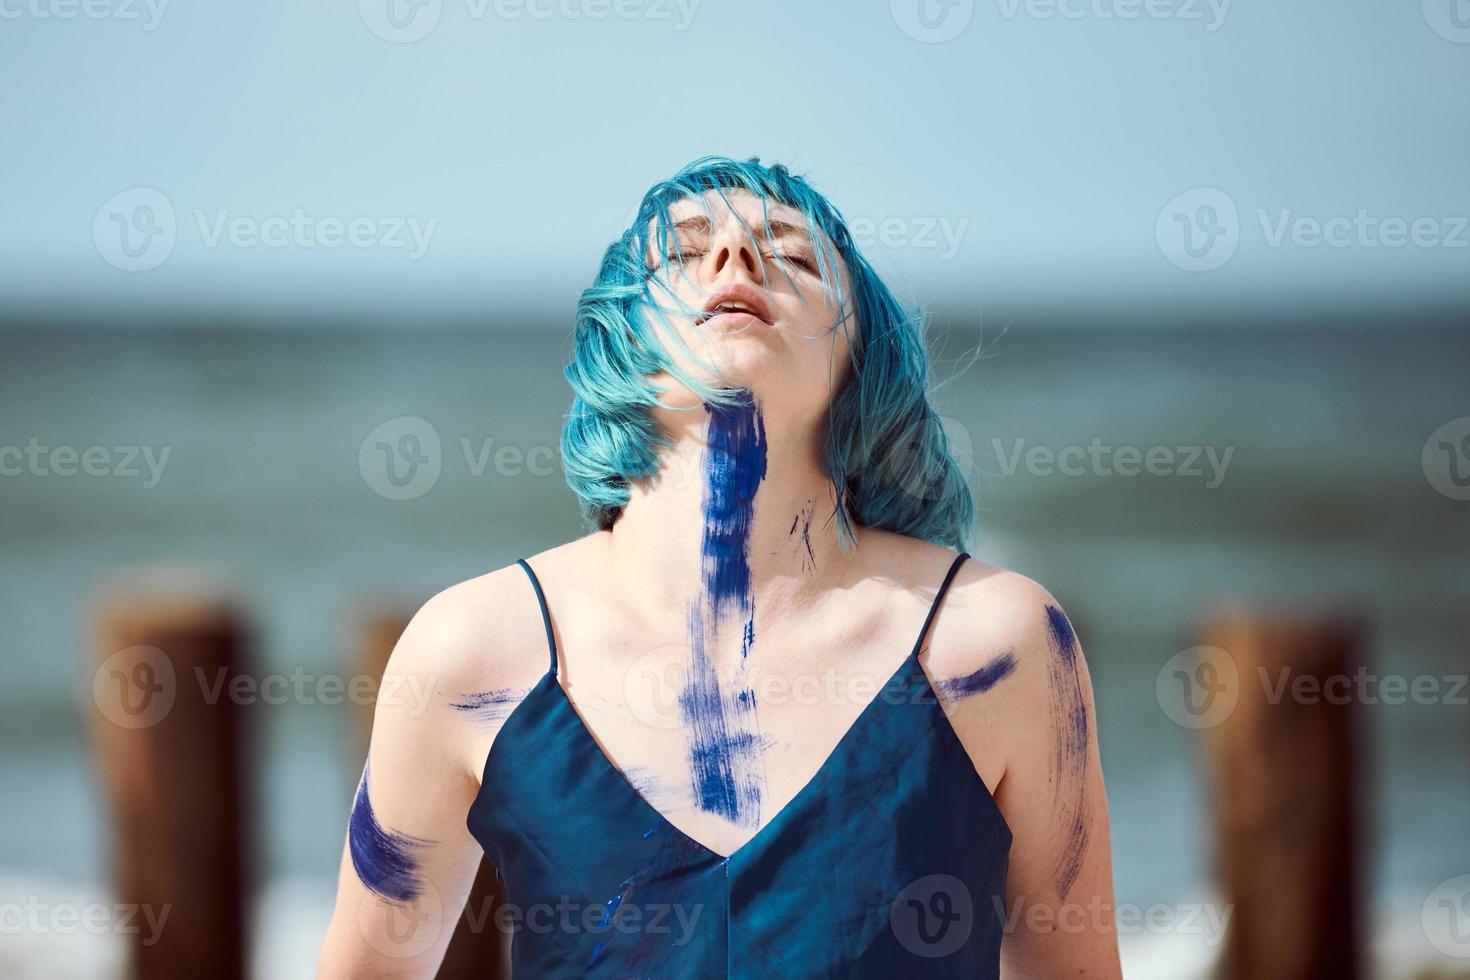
1069,764
386,862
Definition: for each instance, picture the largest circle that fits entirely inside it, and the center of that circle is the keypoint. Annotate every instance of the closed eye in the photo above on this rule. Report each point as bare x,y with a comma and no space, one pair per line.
799,259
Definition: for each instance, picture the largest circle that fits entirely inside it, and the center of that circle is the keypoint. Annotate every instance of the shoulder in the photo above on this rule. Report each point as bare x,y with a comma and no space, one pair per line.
1002,656
474,631
991,611
483,628
987,611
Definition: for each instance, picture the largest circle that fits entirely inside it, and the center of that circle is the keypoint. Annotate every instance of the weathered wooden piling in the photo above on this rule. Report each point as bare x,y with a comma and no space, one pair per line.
1287,783
477,950
172,748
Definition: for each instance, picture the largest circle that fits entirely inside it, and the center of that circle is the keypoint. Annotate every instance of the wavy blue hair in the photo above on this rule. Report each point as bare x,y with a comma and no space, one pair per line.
885,448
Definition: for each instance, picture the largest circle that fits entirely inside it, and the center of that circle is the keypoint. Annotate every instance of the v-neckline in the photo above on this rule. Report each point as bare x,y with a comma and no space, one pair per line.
911,660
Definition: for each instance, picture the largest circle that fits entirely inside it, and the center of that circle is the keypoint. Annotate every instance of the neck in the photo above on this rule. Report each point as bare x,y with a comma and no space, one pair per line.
739,517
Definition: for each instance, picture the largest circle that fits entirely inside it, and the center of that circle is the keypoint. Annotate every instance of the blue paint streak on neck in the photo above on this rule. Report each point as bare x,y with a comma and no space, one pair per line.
386,862
734,466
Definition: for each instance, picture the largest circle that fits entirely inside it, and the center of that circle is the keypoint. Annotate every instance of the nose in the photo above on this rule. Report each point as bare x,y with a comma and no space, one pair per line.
733,252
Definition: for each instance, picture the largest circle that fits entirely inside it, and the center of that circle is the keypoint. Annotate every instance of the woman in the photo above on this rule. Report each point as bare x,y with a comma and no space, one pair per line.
764,720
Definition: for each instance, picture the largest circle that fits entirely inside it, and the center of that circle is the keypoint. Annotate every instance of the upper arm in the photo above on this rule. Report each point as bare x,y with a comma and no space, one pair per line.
409,859
1040,712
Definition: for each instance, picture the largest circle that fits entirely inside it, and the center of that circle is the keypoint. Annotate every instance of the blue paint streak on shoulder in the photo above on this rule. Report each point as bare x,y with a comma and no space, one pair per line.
1063,640
488,707
385,861
981,680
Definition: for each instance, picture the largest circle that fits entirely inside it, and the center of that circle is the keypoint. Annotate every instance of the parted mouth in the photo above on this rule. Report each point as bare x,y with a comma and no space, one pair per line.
736,298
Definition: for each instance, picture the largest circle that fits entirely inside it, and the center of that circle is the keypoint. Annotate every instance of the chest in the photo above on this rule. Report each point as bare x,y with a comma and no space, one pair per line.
720,730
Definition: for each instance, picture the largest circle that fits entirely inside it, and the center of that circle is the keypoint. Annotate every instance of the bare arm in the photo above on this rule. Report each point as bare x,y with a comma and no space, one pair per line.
1060,906
409,859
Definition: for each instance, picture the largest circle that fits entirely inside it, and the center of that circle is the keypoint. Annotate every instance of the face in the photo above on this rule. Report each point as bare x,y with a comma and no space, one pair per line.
741,286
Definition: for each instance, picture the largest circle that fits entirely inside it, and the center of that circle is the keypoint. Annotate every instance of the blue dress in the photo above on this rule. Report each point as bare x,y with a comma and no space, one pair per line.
891,862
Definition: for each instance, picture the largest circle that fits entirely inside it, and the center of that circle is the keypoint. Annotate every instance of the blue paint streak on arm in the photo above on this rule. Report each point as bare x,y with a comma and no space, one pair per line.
386,862
1069,709
981,680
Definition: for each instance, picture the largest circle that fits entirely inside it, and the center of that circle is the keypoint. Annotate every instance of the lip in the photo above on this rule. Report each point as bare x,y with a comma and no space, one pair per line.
737,292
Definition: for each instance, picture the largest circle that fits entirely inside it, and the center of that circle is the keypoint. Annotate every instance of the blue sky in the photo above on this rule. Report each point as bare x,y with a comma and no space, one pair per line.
1039,152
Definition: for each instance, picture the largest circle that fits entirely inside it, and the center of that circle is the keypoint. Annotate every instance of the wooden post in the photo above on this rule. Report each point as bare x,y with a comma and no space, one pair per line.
1287,782
172,749
477,950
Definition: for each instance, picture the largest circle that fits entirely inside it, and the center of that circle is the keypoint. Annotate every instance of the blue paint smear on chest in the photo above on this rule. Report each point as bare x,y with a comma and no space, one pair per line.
1069,711
386,862
723,748
981,680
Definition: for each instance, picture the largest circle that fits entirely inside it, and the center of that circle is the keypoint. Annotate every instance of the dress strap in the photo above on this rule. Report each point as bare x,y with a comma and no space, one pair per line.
545,614
938,598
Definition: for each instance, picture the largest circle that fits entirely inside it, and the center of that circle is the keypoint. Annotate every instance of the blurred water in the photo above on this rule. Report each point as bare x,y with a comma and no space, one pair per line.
1325,500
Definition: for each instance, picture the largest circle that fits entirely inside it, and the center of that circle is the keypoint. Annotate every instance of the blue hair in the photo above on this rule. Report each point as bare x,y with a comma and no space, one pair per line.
885,448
